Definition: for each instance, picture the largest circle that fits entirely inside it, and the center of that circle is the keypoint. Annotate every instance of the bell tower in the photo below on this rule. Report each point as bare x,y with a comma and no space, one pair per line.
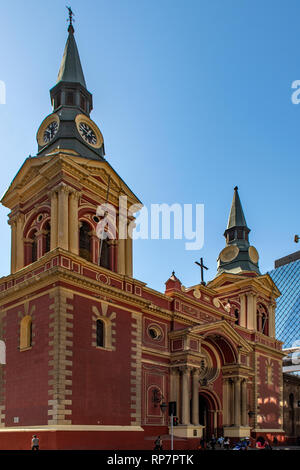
238,256
55,196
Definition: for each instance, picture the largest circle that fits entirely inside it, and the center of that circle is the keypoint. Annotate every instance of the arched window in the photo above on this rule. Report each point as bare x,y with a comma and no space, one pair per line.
262,320
34,247
47,229
100,333
85,241
82,102
70,99
105,258
264,326
26,333
237,316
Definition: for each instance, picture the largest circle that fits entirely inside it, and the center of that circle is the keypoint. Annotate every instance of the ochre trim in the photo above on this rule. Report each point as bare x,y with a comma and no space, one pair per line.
73,427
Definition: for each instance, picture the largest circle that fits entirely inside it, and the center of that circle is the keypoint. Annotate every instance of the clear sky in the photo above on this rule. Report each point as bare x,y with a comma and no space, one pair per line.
193,97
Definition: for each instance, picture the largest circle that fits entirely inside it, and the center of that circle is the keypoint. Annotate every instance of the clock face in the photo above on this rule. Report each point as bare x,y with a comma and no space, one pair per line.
50,131
229,253
87,133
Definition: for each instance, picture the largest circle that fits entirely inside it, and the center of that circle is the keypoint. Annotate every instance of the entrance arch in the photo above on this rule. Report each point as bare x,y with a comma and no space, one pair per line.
208,406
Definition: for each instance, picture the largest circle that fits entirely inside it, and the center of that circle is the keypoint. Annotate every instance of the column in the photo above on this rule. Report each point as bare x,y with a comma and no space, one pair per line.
121,256
19,242
129,254
63,218
195,398
251,311
174,381
185,398
122,237
237,401
111,254
27,251
243,319
41,243
13,246
226,398
271,311
259,321
95,244
54,220
73,223
244,403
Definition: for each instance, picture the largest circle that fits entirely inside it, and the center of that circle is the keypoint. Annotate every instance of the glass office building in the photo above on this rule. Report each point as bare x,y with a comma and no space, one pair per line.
286,276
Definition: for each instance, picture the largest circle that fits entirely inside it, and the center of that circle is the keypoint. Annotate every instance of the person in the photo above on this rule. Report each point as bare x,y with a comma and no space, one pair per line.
275,441
260,443
158,444
35,443
268,445
220,441
202,444
213,442
226,443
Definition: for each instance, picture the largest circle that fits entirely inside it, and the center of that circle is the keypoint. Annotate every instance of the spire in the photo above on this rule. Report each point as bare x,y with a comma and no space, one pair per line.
236,216
70,67
70,89
238,256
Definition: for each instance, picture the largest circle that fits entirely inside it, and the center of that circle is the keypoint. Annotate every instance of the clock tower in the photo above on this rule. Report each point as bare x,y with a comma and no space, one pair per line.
238,256
69,125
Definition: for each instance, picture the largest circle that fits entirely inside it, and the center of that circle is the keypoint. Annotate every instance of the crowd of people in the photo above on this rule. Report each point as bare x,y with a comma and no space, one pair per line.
221,442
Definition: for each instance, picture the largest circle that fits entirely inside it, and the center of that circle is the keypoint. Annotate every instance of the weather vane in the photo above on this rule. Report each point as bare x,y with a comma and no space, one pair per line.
71,14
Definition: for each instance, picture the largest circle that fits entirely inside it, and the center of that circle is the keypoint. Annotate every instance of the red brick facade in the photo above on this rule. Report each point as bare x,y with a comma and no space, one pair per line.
64,381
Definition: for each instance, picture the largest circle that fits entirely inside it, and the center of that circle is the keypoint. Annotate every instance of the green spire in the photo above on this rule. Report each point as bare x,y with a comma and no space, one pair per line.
70,68
238,256
236,216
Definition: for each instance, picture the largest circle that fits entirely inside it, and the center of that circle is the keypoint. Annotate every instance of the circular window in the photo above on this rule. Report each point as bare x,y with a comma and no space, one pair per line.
155,332
96,219
40,218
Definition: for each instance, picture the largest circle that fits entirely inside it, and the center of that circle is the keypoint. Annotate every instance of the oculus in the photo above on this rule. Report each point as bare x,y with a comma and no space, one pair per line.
155,332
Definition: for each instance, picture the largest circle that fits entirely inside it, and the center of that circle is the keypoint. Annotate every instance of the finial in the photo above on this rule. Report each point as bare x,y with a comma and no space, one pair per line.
173,273
236,188
71,14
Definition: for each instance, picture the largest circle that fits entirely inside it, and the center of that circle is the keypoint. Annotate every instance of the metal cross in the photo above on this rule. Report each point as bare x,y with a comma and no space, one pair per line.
201,264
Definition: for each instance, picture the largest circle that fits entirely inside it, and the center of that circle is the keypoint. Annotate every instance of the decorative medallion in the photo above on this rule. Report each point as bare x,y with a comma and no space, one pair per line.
253,254
197,293
229,253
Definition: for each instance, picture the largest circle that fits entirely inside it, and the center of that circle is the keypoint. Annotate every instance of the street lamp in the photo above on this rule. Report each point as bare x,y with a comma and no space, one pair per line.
296,238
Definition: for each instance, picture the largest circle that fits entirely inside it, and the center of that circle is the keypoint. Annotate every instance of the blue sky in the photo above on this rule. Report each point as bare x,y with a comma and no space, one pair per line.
193,97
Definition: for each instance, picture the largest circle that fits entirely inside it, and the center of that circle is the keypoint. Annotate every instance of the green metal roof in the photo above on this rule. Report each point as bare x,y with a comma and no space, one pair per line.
236,216
70,67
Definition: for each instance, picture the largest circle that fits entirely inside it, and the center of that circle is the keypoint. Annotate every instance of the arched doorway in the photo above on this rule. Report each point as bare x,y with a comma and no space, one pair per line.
207,411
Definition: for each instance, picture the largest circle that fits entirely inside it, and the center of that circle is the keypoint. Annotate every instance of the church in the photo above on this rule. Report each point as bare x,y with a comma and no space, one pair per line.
93,355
